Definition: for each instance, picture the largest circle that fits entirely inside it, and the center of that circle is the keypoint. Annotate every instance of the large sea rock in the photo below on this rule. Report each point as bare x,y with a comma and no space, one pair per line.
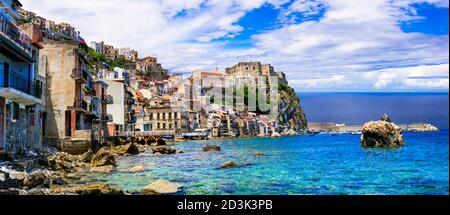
161,187
381,134
86,189
164,150
103,157
209,148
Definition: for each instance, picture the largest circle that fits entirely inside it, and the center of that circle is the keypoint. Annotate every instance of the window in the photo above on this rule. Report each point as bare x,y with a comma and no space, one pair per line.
158,126
32,118
14,111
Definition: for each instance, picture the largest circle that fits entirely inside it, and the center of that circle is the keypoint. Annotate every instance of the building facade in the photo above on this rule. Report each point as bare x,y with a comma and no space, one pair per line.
72,103
19,92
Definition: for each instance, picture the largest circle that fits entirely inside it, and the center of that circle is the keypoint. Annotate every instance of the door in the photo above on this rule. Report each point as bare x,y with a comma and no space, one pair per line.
68,123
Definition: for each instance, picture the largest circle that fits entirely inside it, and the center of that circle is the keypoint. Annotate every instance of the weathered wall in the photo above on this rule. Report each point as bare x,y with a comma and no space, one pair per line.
61,61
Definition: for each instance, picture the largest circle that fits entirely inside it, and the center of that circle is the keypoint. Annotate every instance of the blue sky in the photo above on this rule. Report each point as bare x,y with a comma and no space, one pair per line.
321,45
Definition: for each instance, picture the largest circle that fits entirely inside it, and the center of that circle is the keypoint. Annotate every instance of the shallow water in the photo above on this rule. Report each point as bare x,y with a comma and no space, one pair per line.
320,164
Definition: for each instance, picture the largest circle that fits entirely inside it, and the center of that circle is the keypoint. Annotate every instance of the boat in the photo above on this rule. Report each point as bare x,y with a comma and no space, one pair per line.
333,133
197,134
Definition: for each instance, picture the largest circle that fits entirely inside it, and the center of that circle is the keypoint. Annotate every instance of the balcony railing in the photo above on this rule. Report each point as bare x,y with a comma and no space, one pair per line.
80,104
11,31
108,99
107,117
79,75
16,81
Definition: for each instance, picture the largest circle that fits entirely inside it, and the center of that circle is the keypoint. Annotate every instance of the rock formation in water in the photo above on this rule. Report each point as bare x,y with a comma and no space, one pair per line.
381,134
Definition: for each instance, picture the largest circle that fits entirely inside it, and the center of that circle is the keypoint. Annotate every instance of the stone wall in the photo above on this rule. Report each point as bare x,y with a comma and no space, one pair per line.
16,131
75,147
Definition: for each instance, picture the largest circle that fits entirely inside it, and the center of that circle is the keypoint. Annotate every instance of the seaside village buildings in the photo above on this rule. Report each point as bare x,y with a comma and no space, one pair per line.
52,92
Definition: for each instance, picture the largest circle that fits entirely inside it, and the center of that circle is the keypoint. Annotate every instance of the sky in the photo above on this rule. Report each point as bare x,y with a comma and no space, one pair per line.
321,45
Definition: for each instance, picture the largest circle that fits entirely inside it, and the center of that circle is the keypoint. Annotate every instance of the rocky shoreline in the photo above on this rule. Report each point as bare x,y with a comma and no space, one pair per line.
55,173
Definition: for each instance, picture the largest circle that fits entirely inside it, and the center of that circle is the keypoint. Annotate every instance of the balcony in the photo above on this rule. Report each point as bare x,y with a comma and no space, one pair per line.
14,37
107,117
107,99
15,87
79,75
79,105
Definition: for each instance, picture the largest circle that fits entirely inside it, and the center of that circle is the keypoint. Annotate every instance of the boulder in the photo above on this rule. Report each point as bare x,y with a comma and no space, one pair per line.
103,169
65,162
275,134
164,150
258,153
87,156
136,169
141,148
86,189
129,148
229,164
159,142
103,157
161,187
385,118
209,148
37,179
180,152
381,134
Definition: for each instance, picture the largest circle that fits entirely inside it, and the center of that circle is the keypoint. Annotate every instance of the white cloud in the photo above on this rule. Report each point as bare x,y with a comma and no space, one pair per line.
352,40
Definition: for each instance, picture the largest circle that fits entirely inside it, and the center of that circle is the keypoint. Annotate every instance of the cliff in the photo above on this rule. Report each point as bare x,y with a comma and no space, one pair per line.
290,110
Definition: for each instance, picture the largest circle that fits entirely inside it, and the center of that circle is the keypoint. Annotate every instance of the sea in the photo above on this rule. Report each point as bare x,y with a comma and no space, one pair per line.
310,165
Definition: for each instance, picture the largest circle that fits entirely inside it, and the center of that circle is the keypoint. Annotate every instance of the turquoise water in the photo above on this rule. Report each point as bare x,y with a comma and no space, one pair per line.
321,164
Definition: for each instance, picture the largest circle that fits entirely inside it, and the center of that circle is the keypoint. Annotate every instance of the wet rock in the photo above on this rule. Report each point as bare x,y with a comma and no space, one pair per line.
103,157
142,148
103,169
37,179
12,192
180,152
129,148
385,118
381,134
164,150
65,162
159,142
86,189
229,164
58,181
161,187
136,169
258,153
87,156
210,148
39,192
289,132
